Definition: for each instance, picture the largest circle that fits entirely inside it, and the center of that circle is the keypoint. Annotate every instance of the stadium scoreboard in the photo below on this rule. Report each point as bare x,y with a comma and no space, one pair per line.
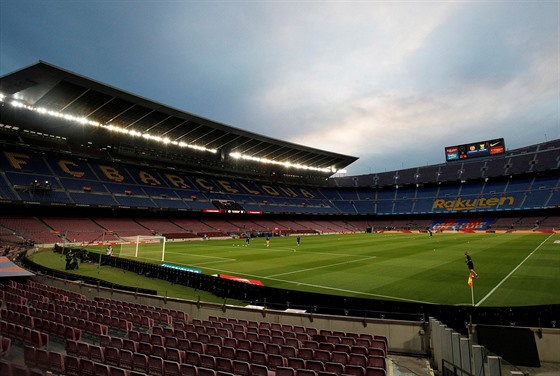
475,150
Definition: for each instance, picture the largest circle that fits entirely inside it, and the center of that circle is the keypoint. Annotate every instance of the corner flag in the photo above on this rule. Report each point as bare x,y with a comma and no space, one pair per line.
469,282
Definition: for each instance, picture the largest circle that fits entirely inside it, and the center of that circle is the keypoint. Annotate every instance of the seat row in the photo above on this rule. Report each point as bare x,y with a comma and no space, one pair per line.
286,330
46,290
176,315
30,336
194,352
306,349
112,318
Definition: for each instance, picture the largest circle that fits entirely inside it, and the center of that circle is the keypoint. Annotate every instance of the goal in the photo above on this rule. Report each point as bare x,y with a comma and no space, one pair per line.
142,246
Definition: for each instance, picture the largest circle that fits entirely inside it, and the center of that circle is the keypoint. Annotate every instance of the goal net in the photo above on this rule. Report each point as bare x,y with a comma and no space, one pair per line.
141,246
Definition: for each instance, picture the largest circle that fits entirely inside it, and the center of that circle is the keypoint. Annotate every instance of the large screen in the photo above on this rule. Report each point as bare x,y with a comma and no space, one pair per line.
475,149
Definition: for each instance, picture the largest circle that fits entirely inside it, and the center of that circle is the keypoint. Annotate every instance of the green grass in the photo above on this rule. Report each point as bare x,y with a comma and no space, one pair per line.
514,269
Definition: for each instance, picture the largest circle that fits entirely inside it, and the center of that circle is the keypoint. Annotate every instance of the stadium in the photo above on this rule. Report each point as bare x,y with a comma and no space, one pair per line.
291,270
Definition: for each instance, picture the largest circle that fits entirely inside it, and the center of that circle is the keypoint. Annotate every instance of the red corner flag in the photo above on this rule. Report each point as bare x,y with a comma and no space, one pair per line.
470,280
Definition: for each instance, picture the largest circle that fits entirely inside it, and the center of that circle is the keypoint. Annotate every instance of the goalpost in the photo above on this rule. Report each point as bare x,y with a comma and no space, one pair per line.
148,247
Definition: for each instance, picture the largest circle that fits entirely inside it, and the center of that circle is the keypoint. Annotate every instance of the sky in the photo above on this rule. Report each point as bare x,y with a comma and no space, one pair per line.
390,82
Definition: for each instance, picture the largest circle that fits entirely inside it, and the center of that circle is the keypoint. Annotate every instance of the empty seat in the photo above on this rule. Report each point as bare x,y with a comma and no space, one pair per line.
273,348
112,356
243,355
315,365
375,371
56,361
30,356
72,366
72,348
322,355
259,358
171,368
305,372
187,369
224,365
354,370
140,362
131,345
43,361
158,351
213,349
126,359
83,350
192,357
339,357
357,360
207,361
296,363
336,368
155,365
275,361
285,371
87,367
259,370
102,369
376,361
97,353
206,372
379,344
241,368
175,355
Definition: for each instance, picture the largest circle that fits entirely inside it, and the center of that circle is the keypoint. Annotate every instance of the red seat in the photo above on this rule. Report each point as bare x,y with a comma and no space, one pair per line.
30,356
72,366
285,371
376,361
155,365
354,370
87,367
207,361
43,359
241,368
315,365
259,358
259,370
275,361
336,368
126,359
375,371
305,372
140,362
296,363
83,350
102,369
175,355
56,361
187,369
112,356
224,365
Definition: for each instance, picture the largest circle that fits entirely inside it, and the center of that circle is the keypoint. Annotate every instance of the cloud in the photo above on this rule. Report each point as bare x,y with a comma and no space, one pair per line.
389,82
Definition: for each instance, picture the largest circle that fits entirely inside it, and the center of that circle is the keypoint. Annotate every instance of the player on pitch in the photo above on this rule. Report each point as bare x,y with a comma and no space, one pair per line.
470,264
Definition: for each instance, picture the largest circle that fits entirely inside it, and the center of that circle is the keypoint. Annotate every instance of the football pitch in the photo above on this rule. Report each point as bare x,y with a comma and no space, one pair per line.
515,269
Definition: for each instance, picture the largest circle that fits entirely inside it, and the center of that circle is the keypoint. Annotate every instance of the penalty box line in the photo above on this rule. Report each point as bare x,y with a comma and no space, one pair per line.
510,273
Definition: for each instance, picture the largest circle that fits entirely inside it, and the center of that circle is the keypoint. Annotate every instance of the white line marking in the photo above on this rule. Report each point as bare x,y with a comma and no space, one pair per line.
320,267
510,273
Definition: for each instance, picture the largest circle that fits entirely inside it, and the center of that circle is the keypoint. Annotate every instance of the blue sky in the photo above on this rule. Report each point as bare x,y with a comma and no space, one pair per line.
391,82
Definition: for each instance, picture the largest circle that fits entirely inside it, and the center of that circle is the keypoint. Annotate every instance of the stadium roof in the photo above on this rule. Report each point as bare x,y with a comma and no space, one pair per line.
8,269
43,85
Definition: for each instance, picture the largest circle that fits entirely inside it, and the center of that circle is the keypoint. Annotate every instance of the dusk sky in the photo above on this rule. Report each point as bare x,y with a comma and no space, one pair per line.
390,82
